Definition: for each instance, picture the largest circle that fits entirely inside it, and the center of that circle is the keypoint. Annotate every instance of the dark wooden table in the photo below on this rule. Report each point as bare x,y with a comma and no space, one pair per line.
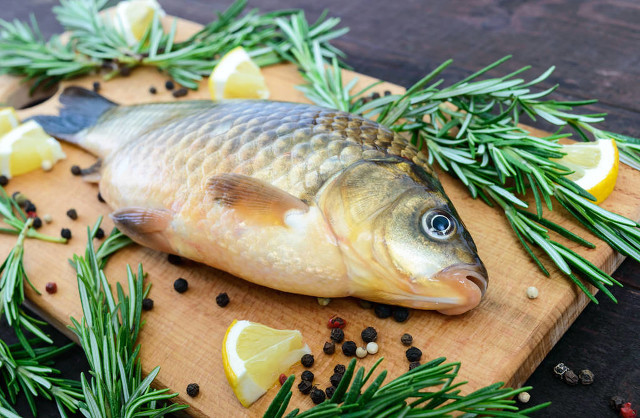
595,46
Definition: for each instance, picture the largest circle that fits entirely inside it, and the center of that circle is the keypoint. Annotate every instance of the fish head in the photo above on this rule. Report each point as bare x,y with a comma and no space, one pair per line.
402,240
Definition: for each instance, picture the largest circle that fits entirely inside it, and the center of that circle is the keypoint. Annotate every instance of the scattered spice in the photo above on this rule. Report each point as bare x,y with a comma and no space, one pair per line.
524,397
586,377
283,377
369,334
329,391
336,322
329,347
100,198
337,335
349,348
406,339
307,360
193,389
152,90
324,301
147,304
46,165
532,292
180,285
222,299
361,352
181,92
176,260
100,233
364,304
169,85
4,180
65,233
51,287
413,354
372,348
307,375
125,71
570,378
96,86
76,170
559,370
387,93
413,365
627,412
317,396
335,379
37,223
340,369
29,206
304,387
71,213
375,95
382,311
47,218
616,403
400,314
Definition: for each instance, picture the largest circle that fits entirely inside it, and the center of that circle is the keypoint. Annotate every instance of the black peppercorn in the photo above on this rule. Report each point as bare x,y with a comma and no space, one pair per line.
304,387
76,170
413,354
100,233
181,92
570,378
37,223
616,403
340,369
169,85
400,314
147,304
193,389
307,375
387,93
329,391
559,370
152,90
337,335
317,396
29,206
413,365
71,213
375,95
369,334
349,348
222,300
100,199
382,311
96,86
65,233
176,260
4,181
180,285
586,377
307,360
406,339
335,379
125,71
329,347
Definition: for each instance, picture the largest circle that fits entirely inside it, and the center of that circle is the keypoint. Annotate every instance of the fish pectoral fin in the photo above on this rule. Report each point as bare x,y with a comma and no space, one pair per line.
254,200
145,226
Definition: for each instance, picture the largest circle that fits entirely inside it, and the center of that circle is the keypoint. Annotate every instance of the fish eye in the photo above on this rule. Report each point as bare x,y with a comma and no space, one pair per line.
438,224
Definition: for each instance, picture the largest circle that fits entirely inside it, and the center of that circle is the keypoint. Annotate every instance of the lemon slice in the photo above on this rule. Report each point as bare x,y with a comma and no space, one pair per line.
595,166
27,148
237,77
254,355
8,120
133,17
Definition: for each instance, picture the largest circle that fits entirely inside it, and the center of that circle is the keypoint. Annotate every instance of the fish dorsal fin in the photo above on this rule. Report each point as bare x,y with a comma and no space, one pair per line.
146,226
255,200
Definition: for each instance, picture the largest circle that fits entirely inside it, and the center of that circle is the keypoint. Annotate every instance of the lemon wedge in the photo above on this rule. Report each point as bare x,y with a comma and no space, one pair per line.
595,166
27,148
237,77
254,355
133,17
8,120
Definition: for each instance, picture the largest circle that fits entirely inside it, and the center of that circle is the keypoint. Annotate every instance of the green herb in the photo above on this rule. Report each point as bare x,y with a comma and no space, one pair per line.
95,44
15,219
108,334
471,130
426,391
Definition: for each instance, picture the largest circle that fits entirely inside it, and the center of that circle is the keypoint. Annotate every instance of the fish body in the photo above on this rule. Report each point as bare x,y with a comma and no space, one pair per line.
291,196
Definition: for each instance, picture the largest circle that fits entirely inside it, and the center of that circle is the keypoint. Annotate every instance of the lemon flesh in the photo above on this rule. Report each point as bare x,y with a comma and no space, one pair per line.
133,17
27,148
237,77
254,355
8,120
595,166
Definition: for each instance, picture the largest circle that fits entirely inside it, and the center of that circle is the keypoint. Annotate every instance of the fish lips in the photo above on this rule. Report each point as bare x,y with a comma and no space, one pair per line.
468,281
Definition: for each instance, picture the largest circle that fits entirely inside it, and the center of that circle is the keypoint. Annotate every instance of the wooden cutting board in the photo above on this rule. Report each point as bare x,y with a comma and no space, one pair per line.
504,339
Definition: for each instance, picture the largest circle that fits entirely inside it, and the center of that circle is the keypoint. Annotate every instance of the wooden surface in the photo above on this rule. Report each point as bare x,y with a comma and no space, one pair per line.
392,49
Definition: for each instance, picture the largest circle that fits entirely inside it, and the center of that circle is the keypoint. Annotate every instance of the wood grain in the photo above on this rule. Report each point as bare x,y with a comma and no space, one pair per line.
502,340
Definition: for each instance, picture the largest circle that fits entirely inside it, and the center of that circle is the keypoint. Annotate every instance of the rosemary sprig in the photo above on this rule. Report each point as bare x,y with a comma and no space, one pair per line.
428,390
108,334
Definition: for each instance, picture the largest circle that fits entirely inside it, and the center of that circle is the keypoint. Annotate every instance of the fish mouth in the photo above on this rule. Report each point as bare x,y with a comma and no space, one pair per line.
468,282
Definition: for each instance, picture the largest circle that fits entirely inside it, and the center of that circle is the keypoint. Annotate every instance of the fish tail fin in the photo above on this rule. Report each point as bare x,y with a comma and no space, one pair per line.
81,109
